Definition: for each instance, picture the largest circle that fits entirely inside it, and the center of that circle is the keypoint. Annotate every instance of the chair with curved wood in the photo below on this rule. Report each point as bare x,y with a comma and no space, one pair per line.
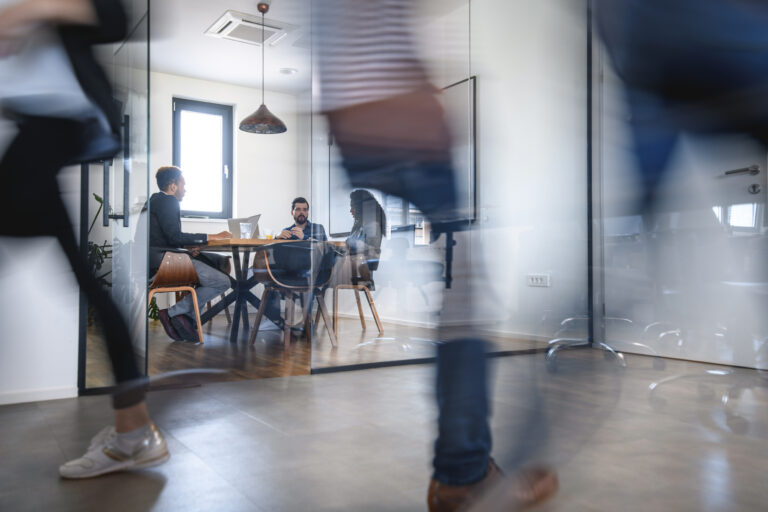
177,274
225,267
289,268
360,281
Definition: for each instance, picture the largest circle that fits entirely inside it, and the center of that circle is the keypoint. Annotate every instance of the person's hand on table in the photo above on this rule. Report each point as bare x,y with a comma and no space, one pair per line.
284,235
298,233
224,235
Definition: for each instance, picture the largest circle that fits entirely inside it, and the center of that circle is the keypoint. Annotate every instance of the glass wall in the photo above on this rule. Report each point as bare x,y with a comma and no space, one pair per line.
686,278
514,87
115,227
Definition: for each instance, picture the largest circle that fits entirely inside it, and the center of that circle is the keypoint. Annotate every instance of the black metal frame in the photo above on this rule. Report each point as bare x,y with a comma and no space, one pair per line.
590,213
82,347
225,111
240,294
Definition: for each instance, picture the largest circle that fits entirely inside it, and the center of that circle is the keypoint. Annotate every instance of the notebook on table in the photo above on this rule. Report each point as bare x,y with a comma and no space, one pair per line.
234,226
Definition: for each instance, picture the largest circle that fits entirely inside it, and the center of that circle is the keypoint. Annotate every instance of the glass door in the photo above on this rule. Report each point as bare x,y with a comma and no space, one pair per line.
115,192
685,278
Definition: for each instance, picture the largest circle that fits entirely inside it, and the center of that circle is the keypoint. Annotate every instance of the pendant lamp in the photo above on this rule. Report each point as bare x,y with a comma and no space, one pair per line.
262,121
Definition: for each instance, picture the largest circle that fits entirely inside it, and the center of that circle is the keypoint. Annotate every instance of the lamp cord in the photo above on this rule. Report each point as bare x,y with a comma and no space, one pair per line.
262,58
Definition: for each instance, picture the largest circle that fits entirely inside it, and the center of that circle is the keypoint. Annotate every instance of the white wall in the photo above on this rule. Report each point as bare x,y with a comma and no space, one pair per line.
530,59
266,167
530,62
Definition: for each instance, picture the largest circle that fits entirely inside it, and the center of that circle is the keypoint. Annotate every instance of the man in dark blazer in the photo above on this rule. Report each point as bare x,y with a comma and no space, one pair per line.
164,234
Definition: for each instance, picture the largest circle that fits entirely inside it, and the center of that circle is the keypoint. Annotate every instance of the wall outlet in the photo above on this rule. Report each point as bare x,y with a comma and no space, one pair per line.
540,280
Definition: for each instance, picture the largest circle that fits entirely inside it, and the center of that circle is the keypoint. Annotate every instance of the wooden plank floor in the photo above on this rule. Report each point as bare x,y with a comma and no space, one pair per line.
268,358
398,342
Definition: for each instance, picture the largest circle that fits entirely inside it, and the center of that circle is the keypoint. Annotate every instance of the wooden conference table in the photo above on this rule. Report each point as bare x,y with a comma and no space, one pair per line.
241,293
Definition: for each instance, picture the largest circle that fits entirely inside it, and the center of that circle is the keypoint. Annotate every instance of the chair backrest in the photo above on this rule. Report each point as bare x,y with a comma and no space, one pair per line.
302,264
176,269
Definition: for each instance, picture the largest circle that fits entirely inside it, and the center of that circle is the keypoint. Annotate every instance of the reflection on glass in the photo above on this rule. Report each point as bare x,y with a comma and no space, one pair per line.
718,210
201,151
742,215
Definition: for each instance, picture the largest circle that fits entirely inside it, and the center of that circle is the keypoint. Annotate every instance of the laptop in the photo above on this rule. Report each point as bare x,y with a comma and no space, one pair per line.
234,226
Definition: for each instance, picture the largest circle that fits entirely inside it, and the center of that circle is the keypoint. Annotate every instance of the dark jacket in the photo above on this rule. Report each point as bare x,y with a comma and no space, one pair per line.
316,231
77,41
165,229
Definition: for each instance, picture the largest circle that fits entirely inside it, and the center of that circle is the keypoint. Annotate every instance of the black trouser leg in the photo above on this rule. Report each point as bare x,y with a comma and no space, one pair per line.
28,172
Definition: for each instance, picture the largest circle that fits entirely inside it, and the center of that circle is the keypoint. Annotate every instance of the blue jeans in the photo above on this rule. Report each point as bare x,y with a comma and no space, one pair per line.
463,445
212,284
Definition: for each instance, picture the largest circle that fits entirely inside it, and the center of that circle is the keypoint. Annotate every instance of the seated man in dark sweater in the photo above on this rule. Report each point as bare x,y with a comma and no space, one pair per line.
165,233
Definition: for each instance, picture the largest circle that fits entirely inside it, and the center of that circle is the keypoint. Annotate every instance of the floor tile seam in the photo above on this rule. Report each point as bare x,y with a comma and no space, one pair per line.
259,420
202,459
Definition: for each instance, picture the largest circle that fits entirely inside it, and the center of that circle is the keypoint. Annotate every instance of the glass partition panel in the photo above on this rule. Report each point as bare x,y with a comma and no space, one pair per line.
117,192
513,81
684,277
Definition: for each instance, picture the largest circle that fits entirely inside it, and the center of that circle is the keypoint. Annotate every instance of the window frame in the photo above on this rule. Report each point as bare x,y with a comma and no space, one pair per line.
225,111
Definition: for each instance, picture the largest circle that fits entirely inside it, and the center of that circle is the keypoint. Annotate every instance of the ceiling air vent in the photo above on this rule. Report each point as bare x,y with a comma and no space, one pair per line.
247,28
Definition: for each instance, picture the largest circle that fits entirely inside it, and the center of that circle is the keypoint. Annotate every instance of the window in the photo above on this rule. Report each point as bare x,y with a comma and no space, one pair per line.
202,148
743,216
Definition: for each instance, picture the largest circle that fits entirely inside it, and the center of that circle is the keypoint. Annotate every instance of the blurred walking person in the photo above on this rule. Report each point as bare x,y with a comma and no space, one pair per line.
690,65
74,121
389,126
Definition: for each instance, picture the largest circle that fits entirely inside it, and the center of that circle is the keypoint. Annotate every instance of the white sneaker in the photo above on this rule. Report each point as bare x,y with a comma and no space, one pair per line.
104,455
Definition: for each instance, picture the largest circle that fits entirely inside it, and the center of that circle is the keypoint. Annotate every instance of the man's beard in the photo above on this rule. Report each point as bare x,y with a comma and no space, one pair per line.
300,219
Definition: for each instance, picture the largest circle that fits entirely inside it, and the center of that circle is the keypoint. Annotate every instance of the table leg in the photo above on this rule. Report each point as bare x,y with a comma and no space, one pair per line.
244,309
239,278
235,325
243,290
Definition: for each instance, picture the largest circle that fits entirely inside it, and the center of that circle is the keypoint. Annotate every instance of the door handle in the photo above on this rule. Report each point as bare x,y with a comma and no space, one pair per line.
127,164
126,178
751,170
105,198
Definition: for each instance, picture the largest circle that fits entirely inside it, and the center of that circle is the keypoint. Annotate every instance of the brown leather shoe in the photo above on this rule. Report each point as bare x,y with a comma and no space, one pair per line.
525,489
453,498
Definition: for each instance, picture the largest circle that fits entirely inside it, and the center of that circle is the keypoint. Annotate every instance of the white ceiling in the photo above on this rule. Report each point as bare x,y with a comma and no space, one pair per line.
179,46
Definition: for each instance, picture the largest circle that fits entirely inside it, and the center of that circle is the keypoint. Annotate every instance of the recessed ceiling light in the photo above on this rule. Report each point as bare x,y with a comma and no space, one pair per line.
289,71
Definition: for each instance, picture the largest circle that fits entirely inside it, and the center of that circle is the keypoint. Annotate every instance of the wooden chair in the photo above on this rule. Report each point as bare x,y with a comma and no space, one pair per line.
227,270
177,274
302,267
360,280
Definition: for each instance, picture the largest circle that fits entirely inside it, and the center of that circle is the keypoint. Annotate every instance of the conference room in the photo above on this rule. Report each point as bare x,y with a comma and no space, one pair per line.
197,103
